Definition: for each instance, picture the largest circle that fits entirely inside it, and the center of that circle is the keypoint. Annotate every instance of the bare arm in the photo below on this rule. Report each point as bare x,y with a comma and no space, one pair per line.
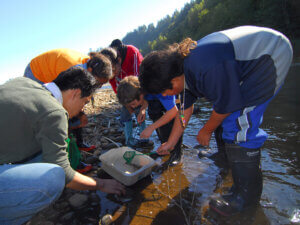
142,114
144,105
204,135
176,132
82,182
166,118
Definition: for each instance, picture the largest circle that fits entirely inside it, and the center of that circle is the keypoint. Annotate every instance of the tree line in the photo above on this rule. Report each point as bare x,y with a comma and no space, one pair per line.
201,17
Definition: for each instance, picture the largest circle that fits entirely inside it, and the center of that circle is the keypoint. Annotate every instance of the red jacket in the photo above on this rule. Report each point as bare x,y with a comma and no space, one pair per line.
130,66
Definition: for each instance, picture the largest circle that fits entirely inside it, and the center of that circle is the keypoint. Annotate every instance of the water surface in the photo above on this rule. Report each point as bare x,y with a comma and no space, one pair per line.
180,194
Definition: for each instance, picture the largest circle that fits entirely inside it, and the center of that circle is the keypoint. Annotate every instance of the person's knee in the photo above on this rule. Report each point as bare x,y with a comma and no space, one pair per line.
34,193
54,181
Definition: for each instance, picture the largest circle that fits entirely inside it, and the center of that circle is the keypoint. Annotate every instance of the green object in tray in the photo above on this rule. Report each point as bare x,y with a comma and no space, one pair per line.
129,155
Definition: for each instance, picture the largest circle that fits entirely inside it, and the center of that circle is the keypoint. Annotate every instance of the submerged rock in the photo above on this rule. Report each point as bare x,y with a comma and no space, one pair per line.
106,220
67,217
78,201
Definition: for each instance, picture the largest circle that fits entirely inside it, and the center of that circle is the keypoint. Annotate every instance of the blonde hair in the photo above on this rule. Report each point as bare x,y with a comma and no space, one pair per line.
184,47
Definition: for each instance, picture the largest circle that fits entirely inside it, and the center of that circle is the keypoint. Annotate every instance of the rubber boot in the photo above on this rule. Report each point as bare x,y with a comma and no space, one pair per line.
176,153
163,134
132,142
247,181
155,111
144,143
142,126
79,141
128,128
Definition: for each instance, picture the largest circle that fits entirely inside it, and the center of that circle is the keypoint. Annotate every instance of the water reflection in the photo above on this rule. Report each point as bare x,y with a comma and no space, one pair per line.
180,194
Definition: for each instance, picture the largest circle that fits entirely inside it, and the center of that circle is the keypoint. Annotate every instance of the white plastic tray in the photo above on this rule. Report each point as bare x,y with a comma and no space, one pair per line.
115,165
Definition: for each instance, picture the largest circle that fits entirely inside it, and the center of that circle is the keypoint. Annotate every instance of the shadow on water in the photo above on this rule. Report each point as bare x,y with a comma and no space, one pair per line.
179,194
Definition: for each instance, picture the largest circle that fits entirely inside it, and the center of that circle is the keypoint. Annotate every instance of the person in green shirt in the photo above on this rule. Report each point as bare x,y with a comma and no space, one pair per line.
34,165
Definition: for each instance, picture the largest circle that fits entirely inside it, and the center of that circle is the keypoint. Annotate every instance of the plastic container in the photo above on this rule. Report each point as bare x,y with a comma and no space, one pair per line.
115,165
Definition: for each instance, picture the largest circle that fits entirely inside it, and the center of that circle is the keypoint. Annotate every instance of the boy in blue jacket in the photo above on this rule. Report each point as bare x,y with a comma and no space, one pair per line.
161,110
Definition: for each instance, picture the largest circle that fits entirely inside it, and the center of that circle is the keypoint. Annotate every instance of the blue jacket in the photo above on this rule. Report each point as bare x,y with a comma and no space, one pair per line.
239,67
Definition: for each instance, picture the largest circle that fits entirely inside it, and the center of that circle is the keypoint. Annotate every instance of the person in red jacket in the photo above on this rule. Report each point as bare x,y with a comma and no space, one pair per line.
129,60
126,63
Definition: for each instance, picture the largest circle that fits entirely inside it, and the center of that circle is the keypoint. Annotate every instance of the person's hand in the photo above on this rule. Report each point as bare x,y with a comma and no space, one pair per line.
82,119
147,132
110,186
204,137
164,149
141,117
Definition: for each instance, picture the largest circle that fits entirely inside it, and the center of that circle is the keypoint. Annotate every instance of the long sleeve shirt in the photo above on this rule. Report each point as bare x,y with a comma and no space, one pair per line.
130,66
32,120
239,67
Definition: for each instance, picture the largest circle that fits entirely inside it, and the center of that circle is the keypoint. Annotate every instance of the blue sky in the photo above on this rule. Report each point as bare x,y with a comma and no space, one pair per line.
31,27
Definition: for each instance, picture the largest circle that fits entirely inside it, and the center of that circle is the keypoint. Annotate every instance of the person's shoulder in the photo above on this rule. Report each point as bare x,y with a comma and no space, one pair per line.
32,97
38,95
22,82
211,50
132,48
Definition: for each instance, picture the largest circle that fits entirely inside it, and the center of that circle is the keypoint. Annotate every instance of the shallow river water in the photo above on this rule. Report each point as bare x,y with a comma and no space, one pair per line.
180,194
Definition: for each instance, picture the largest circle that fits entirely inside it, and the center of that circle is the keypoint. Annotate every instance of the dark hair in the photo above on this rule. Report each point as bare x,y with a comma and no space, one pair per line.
100,65
111,54
129,90
117,43
159,67
77,78
120,48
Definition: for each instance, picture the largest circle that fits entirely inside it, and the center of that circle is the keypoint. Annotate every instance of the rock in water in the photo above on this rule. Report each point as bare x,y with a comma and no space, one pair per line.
78,201
106,220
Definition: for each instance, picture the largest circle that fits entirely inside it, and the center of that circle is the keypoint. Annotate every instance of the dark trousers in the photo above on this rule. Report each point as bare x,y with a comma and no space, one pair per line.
155,111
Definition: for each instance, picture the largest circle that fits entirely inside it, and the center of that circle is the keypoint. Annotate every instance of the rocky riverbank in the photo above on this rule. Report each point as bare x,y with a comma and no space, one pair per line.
103,131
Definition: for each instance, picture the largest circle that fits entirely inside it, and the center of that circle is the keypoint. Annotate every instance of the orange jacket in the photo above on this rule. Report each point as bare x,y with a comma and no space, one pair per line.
48,65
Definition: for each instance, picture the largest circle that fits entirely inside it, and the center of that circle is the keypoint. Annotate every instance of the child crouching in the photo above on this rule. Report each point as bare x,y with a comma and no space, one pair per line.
161,109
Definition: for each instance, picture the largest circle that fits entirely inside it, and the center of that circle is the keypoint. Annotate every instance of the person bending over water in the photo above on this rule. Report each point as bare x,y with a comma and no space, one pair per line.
239,71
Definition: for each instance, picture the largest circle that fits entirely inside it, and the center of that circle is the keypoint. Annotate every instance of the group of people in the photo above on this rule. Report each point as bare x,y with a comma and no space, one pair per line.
239,71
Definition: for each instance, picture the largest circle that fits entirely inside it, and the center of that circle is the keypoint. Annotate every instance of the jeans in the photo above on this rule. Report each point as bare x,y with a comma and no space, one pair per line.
126,116
26,189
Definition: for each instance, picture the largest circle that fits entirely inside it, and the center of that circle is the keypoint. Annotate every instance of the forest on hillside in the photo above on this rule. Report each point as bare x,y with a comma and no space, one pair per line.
201,17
